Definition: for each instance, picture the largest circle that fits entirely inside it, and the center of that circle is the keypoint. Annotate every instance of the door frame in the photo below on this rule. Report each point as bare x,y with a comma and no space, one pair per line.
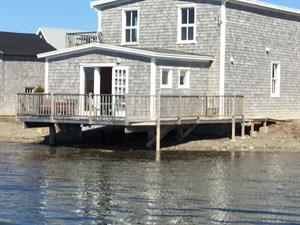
119,113
97,80
96,72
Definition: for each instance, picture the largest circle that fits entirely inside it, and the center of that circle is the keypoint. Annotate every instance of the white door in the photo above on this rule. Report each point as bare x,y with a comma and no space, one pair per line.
119,90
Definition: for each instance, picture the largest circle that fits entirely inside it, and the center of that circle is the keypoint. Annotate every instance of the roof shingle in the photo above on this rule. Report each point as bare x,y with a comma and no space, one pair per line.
21,44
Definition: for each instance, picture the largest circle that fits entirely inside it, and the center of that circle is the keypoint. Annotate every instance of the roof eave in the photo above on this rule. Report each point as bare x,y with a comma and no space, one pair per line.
256,4
105,3
138,52
267,6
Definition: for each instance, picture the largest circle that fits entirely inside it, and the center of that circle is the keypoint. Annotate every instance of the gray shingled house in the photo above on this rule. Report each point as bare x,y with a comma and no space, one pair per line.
20,69
201,57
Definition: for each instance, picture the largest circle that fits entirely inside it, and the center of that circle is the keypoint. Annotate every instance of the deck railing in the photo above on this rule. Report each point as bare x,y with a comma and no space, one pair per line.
82,38
127,108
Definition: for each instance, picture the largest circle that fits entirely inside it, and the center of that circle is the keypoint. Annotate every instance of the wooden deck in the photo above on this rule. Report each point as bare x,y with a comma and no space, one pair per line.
128,110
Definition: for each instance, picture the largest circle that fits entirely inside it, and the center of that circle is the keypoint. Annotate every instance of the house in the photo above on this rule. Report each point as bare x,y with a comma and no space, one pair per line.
57,37
20,69
208,61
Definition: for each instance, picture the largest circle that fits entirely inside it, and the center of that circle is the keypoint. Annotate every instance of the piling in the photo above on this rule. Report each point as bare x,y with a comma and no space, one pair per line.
52,135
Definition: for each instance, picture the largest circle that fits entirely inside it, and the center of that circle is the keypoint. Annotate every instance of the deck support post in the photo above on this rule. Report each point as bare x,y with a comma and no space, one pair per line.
158,129
252,129
243,128
52,135
187,132
233,118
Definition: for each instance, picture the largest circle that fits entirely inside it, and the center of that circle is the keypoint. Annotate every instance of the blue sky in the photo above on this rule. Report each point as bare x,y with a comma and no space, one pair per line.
28,15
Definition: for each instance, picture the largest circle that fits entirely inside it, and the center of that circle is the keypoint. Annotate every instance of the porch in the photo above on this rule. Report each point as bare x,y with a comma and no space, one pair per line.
127,110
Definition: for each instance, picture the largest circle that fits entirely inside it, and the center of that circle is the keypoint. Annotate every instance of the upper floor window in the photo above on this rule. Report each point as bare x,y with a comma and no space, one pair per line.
275,80
187,24
130,26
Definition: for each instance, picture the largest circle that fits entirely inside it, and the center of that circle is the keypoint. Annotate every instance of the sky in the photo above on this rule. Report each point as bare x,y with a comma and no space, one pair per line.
27,15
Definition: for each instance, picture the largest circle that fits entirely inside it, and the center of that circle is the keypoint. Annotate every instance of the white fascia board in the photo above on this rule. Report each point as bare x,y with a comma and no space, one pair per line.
102,3
138,52
41,30
267,6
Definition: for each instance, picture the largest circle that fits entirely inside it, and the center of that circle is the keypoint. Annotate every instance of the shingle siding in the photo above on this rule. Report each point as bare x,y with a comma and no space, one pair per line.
64,73
18,73
158,29
249,32
199,82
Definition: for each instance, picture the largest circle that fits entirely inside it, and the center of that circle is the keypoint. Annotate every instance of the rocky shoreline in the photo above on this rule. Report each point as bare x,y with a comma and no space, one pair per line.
281,137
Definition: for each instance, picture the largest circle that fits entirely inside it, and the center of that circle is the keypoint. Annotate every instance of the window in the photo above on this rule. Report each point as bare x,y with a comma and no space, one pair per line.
29,90
275,80
186,24
184,78
130,26
166,78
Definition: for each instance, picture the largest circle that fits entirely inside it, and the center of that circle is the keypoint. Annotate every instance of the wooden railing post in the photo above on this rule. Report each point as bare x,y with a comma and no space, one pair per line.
233,117
180,110
52,106
243,119
90,106
206,106
126,109
158,124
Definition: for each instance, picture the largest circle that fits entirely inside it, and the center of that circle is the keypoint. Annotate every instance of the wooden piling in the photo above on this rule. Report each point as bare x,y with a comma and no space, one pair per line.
243,128
52,135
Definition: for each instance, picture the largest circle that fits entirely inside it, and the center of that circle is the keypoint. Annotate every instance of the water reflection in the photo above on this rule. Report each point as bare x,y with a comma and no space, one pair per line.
39,185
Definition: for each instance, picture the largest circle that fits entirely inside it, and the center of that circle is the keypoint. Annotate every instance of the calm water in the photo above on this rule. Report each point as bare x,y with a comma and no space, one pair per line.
39,185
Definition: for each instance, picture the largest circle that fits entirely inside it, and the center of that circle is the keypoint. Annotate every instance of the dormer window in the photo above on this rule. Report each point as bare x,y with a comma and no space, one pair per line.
186,24
130,26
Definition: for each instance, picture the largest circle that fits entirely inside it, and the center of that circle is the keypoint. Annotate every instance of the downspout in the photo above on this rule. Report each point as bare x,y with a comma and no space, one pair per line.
222,47
2,82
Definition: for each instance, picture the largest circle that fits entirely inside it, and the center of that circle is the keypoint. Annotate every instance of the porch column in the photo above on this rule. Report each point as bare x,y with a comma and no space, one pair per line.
97,81
152,87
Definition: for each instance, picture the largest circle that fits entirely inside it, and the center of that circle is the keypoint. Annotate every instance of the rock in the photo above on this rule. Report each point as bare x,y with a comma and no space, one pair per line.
263,130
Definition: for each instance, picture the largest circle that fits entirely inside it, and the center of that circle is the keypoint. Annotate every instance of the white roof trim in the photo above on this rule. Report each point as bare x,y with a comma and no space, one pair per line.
138,52
267,6
256,4
41,30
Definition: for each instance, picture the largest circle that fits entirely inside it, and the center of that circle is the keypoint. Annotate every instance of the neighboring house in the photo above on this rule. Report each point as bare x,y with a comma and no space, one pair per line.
57,37
20,69
181,48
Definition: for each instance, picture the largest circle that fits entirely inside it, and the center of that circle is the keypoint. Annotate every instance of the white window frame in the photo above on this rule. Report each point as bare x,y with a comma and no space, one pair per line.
277,85
180,25
188,74
170,77
124,27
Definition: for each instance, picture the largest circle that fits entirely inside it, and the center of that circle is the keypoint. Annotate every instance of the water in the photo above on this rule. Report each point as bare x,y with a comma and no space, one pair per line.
40,185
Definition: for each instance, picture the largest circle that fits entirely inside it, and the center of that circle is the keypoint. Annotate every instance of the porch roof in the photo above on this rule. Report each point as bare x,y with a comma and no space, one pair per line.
164,54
